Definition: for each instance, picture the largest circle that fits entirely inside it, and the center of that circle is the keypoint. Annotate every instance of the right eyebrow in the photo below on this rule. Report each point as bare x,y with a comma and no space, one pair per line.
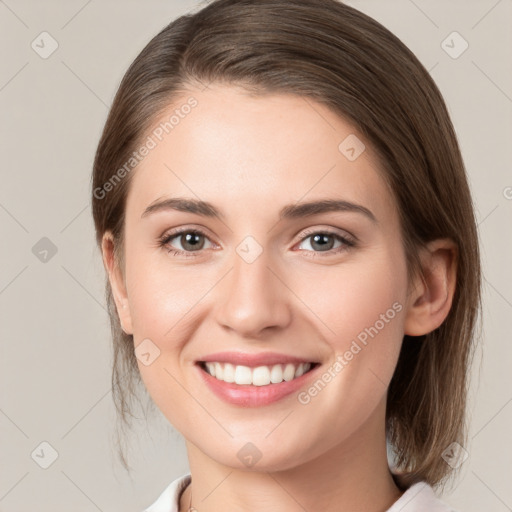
183,205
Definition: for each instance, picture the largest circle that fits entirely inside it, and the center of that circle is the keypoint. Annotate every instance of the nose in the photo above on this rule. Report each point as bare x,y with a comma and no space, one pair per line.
253,298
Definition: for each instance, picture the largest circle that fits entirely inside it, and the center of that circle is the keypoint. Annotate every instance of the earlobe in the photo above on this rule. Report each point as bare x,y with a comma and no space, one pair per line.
117,283
431,302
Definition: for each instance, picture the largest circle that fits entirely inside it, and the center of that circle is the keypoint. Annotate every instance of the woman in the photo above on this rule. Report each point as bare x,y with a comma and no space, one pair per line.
292,259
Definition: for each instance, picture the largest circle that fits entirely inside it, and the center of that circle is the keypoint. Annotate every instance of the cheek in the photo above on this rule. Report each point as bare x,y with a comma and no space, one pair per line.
354,298
162,294
360,310
162,298
361,313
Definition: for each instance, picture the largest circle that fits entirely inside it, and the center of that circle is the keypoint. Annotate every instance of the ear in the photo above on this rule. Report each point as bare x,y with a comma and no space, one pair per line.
117,283
431,297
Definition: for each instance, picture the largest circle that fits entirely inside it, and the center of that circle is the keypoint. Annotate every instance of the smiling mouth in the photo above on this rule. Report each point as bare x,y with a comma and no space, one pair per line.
256,376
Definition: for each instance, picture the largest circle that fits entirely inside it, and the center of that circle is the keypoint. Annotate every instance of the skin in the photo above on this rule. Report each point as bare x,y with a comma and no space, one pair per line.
250,156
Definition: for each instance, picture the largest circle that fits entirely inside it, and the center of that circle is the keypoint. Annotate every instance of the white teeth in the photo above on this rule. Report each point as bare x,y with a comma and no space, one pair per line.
300,370
243,375
276,374
229,373
211,368
289,372
219,371
259,376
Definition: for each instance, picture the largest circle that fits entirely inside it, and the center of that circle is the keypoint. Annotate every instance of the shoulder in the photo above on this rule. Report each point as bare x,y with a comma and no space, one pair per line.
420,497
168,501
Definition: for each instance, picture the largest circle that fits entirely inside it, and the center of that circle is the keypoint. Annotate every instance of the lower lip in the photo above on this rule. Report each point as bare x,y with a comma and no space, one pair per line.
254,396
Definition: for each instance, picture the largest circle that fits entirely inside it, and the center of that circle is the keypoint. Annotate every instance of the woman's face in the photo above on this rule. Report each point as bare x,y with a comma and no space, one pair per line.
266,275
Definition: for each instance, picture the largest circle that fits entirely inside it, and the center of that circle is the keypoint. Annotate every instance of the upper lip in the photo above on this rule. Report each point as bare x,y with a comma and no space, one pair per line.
253,360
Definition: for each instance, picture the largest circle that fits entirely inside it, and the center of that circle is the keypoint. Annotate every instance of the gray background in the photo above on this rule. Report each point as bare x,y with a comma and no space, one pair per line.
55,350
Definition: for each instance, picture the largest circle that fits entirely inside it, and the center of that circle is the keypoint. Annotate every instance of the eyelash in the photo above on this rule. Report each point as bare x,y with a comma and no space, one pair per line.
166,239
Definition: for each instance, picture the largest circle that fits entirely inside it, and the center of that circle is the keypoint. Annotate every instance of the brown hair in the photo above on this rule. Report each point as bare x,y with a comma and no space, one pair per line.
335,55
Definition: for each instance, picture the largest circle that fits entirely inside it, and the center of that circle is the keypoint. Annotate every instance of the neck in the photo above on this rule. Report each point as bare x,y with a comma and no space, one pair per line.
353,475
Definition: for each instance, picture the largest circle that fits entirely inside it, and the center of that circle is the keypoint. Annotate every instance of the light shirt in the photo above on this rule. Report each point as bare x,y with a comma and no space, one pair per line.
419,497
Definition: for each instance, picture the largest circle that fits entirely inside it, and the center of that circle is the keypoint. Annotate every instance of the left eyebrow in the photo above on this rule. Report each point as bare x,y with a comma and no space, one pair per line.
291,211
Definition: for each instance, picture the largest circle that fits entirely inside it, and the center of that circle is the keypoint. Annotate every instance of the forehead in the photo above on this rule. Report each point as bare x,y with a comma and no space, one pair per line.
247,152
